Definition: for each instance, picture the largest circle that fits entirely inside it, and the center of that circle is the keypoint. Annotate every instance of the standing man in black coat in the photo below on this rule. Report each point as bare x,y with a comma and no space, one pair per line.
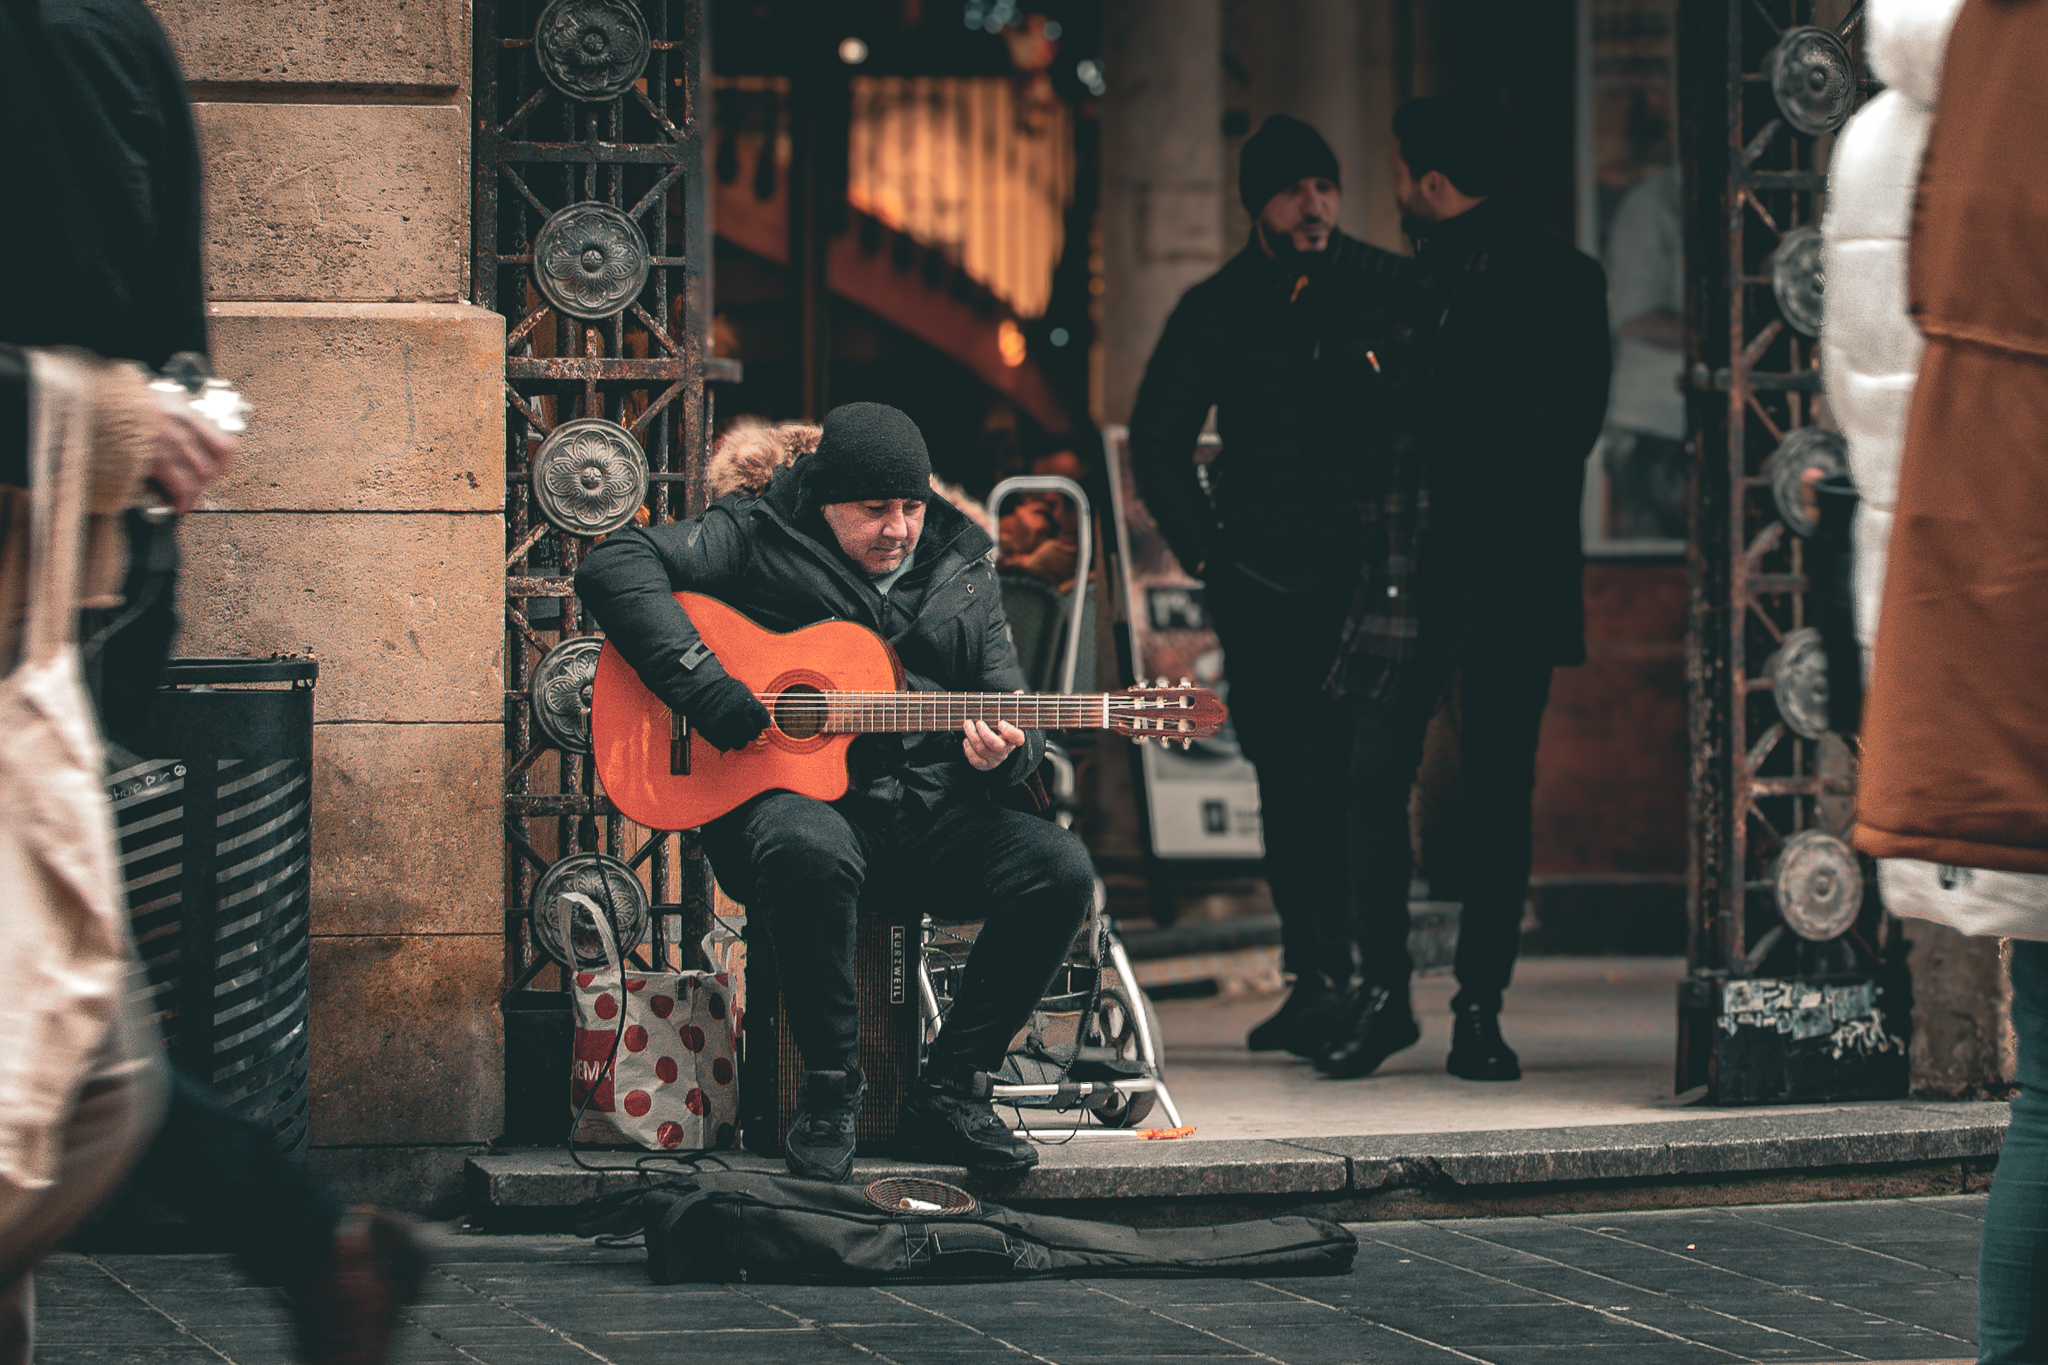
1289,342
1471,593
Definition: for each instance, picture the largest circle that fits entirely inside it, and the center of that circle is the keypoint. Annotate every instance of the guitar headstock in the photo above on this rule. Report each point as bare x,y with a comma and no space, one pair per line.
1166,712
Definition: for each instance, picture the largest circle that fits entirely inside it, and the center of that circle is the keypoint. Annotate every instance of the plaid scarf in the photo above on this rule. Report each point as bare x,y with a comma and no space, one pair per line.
1385,622
1380,634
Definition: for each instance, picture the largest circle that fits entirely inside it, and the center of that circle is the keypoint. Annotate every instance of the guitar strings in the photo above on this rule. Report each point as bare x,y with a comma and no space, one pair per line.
871,712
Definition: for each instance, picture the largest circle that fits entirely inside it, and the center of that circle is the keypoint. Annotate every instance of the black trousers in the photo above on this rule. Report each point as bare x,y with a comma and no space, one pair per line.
1278,649
801,864
225,1176
1497,703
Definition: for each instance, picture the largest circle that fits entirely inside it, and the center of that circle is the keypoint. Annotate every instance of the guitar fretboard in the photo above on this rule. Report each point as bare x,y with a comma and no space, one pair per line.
862,713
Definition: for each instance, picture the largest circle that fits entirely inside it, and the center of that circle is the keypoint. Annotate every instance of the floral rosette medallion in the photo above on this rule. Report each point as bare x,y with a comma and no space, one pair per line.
590,261
589,477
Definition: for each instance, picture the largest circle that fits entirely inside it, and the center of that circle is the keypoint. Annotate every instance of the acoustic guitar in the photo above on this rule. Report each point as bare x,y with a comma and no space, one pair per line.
822,685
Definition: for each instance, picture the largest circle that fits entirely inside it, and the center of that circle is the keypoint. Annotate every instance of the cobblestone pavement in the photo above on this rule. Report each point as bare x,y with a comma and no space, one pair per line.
1879,1281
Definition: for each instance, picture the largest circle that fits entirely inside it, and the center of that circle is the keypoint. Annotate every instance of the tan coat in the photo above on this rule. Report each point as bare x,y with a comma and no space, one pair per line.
1955,732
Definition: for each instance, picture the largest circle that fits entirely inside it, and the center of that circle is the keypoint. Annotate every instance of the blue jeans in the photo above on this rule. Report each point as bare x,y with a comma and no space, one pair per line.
2012,1270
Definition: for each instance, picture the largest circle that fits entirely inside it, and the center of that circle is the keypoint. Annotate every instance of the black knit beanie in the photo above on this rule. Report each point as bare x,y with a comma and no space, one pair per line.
868,452
1283,151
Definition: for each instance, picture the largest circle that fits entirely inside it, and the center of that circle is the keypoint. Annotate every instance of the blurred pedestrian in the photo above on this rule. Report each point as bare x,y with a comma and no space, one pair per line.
81,1071
1470,591
1288,342
1953,793
1643,447
98,151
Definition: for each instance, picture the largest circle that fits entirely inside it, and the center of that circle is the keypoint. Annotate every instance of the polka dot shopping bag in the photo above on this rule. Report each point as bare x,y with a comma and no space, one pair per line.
655,1052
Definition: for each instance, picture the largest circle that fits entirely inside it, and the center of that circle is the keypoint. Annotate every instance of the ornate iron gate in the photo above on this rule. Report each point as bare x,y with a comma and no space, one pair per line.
1796,989
591,237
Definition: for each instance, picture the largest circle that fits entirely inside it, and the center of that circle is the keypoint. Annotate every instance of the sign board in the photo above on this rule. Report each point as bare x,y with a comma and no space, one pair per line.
1203,801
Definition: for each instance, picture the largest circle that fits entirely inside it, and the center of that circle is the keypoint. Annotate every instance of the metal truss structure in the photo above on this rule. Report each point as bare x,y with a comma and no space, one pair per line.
1796,988
590,237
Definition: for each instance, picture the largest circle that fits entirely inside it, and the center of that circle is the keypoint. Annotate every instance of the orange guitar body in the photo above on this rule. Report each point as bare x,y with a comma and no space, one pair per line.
632,730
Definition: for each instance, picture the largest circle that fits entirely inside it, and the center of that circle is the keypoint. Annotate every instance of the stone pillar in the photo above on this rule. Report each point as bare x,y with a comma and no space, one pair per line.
1162,176
1961,1012
1329,63
364,522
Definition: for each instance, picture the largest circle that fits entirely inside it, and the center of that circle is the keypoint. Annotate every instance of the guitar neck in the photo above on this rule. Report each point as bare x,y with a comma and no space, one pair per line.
870,713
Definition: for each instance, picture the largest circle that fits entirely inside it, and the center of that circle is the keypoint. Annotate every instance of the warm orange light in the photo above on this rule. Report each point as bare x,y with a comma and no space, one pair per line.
1010,343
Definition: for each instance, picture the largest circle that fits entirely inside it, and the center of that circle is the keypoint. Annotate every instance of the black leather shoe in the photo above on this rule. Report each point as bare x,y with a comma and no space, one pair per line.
948,1119
1306,1023
820,1141
1378,1025
1478,1053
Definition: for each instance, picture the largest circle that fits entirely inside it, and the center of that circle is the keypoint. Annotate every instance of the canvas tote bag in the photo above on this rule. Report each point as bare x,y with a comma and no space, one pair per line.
656,1053
64,936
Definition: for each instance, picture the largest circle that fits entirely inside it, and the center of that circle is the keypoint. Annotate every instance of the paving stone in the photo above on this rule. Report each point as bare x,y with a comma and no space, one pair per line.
1524,1291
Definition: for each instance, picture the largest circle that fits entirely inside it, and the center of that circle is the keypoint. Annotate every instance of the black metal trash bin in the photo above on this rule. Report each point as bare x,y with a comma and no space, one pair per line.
215,826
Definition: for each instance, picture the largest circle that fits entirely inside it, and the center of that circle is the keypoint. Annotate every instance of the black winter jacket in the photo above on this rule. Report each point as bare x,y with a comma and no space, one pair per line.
944,618
1515,327
99,157
1286,351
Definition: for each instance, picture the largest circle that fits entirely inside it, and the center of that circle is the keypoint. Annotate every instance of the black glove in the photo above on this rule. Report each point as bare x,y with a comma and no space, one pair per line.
728,714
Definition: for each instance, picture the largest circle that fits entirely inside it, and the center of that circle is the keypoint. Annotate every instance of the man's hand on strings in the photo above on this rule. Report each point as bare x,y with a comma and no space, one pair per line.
986,745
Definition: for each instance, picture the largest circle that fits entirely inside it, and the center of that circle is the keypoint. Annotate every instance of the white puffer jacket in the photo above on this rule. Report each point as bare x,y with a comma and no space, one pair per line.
1870,352
1870,348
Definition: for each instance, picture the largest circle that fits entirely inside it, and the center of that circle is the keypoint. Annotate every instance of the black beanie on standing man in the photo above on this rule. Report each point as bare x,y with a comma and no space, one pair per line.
1283,151
869,452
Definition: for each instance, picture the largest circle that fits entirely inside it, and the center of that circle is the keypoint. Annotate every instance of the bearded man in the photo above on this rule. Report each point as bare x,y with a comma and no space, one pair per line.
1473,595
1292,343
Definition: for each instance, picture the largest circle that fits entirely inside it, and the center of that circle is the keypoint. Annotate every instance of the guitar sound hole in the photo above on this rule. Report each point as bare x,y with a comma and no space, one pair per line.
800,711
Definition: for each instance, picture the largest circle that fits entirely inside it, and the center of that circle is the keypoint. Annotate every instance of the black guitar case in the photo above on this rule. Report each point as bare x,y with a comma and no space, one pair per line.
742,1225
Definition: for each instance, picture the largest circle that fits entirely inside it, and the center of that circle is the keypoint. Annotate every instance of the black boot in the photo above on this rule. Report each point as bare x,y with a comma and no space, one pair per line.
1478,1053
947,1118
1378,1025
1305,1024
820,1141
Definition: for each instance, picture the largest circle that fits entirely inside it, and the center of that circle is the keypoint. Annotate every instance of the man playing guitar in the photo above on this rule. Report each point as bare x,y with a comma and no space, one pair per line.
854,532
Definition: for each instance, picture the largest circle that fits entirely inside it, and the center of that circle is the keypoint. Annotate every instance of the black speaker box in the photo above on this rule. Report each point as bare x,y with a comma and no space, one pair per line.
885,954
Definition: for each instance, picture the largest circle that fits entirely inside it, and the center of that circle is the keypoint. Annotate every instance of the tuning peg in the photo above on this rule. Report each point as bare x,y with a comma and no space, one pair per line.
1162,681
1185,683
1187,744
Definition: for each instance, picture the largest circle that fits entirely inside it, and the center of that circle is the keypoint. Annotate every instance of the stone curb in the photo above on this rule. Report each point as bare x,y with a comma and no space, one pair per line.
1089,1169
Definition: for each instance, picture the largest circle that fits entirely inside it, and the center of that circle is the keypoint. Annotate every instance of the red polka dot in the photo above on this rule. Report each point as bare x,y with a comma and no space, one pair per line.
692,1036
669,1135
725,1136
662,1006
583,979
694,1102
636,1038
721,1070
637,983
666,1069
638,1103
717,1006
606,1007
722,979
